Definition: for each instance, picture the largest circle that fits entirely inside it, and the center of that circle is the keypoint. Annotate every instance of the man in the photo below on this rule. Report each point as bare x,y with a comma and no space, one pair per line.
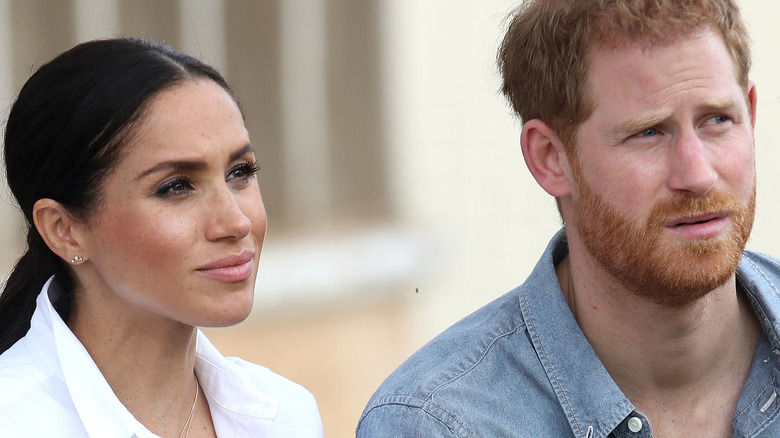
643,317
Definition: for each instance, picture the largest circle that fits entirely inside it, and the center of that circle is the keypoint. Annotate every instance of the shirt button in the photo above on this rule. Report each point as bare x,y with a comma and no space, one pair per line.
634,424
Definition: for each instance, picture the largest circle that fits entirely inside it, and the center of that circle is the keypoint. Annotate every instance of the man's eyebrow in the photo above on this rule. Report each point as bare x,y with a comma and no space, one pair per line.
724,105
643,122
648,121
192,165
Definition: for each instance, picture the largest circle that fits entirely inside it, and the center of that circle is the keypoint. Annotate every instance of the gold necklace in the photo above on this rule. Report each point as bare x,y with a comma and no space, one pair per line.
185,431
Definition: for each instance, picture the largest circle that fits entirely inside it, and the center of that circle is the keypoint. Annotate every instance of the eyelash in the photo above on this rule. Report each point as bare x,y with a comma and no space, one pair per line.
167,190
249,167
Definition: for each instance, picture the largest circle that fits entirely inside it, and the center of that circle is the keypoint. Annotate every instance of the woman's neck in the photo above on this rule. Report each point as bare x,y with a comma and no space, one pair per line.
148,361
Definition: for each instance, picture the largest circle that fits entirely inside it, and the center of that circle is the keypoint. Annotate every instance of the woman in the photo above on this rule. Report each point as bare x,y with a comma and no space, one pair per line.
135,174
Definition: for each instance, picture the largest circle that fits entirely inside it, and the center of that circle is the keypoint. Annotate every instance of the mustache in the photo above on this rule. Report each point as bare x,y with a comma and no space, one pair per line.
689,205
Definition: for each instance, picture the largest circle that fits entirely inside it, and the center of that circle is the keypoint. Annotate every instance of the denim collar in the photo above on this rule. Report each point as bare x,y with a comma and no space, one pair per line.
759,404
592,401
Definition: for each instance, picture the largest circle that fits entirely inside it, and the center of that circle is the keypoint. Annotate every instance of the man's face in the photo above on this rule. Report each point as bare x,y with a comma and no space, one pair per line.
664,169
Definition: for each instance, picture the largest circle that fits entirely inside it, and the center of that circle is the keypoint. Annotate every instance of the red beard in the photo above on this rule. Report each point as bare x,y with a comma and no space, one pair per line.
672,274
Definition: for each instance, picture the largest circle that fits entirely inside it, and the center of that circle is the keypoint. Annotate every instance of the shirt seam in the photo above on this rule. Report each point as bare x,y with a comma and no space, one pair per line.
547,365
428,399
755,400
762,424
476,363
773,340
224,373
422,405
771,285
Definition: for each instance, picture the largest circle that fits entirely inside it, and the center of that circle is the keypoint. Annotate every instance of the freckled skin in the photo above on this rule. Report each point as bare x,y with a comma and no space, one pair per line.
671,137
147,241
633,173
659,205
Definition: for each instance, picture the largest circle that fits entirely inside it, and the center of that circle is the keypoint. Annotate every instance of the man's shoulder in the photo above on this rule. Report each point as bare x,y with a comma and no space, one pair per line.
759,272
464,378
457,350
764,262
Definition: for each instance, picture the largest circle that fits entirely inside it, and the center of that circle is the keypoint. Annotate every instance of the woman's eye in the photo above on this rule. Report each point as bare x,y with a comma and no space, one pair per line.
176,187
244,171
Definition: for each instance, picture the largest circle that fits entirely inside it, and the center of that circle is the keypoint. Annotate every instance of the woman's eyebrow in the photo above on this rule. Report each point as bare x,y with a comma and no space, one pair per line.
192,165
244,150
173,164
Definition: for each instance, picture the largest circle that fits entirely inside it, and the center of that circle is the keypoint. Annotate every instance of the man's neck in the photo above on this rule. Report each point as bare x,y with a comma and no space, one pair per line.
676,365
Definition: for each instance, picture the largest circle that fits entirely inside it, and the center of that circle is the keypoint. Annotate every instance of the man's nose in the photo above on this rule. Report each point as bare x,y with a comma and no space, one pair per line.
690,165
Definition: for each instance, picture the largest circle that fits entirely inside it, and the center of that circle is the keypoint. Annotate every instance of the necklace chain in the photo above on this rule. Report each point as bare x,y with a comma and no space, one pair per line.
185,431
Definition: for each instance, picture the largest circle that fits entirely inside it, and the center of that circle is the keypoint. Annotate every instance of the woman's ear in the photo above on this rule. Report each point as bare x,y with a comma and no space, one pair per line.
546,158
58,229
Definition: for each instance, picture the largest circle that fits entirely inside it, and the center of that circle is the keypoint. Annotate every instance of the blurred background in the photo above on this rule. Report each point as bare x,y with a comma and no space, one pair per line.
397,196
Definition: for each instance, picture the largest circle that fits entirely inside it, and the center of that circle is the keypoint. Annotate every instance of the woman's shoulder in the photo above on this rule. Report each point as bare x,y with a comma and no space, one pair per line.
270,383
235,373
22,373
269,394
31,389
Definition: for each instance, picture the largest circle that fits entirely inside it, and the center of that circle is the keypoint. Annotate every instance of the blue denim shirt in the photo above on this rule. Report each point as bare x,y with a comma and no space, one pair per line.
521,367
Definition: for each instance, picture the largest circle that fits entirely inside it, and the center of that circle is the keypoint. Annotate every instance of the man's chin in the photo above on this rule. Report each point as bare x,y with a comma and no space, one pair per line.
679,274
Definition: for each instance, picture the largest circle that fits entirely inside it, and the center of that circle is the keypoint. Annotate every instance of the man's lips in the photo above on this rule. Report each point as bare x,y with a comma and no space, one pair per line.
701,226
231,268
698,219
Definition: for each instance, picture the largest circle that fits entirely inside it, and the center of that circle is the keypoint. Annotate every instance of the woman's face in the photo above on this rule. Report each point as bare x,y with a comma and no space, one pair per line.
179,232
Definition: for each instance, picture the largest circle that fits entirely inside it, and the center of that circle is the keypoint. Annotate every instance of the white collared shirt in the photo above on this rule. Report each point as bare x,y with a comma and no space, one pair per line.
51,387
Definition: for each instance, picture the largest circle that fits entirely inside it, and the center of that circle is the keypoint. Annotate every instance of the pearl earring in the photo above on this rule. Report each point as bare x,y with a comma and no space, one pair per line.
76,259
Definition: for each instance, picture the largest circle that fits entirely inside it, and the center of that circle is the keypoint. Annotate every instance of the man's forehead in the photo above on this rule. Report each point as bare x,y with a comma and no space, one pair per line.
646,42
636,87
603,60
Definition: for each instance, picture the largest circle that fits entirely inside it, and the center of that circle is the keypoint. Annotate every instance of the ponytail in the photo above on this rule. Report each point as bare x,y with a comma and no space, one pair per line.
32,270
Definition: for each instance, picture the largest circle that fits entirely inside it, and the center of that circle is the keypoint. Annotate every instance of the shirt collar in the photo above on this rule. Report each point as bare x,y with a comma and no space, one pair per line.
584,388
758,275
100,411
238,407
234,401
758,405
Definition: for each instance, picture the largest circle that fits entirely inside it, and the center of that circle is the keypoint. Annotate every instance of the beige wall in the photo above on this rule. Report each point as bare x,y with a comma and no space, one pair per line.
398,197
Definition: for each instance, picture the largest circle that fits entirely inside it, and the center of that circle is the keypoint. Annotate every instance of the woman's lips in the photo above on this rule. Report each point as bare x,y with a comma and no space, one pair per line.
231,269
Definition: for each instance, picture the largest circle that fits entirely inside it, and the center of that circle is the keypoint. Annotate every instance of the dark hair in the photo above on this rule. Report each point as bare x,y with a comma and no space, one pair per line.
65,133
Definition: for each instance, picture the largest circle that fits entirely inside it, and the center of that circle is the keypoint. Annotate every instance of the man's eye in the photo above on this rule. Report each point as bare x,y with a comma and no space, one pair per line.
648,132
719,120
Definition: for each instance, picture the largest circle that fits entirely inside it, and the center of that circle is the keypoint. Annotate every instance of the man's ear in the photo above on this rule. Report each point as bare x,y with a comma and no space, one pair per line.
58,229
546,158
752,101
